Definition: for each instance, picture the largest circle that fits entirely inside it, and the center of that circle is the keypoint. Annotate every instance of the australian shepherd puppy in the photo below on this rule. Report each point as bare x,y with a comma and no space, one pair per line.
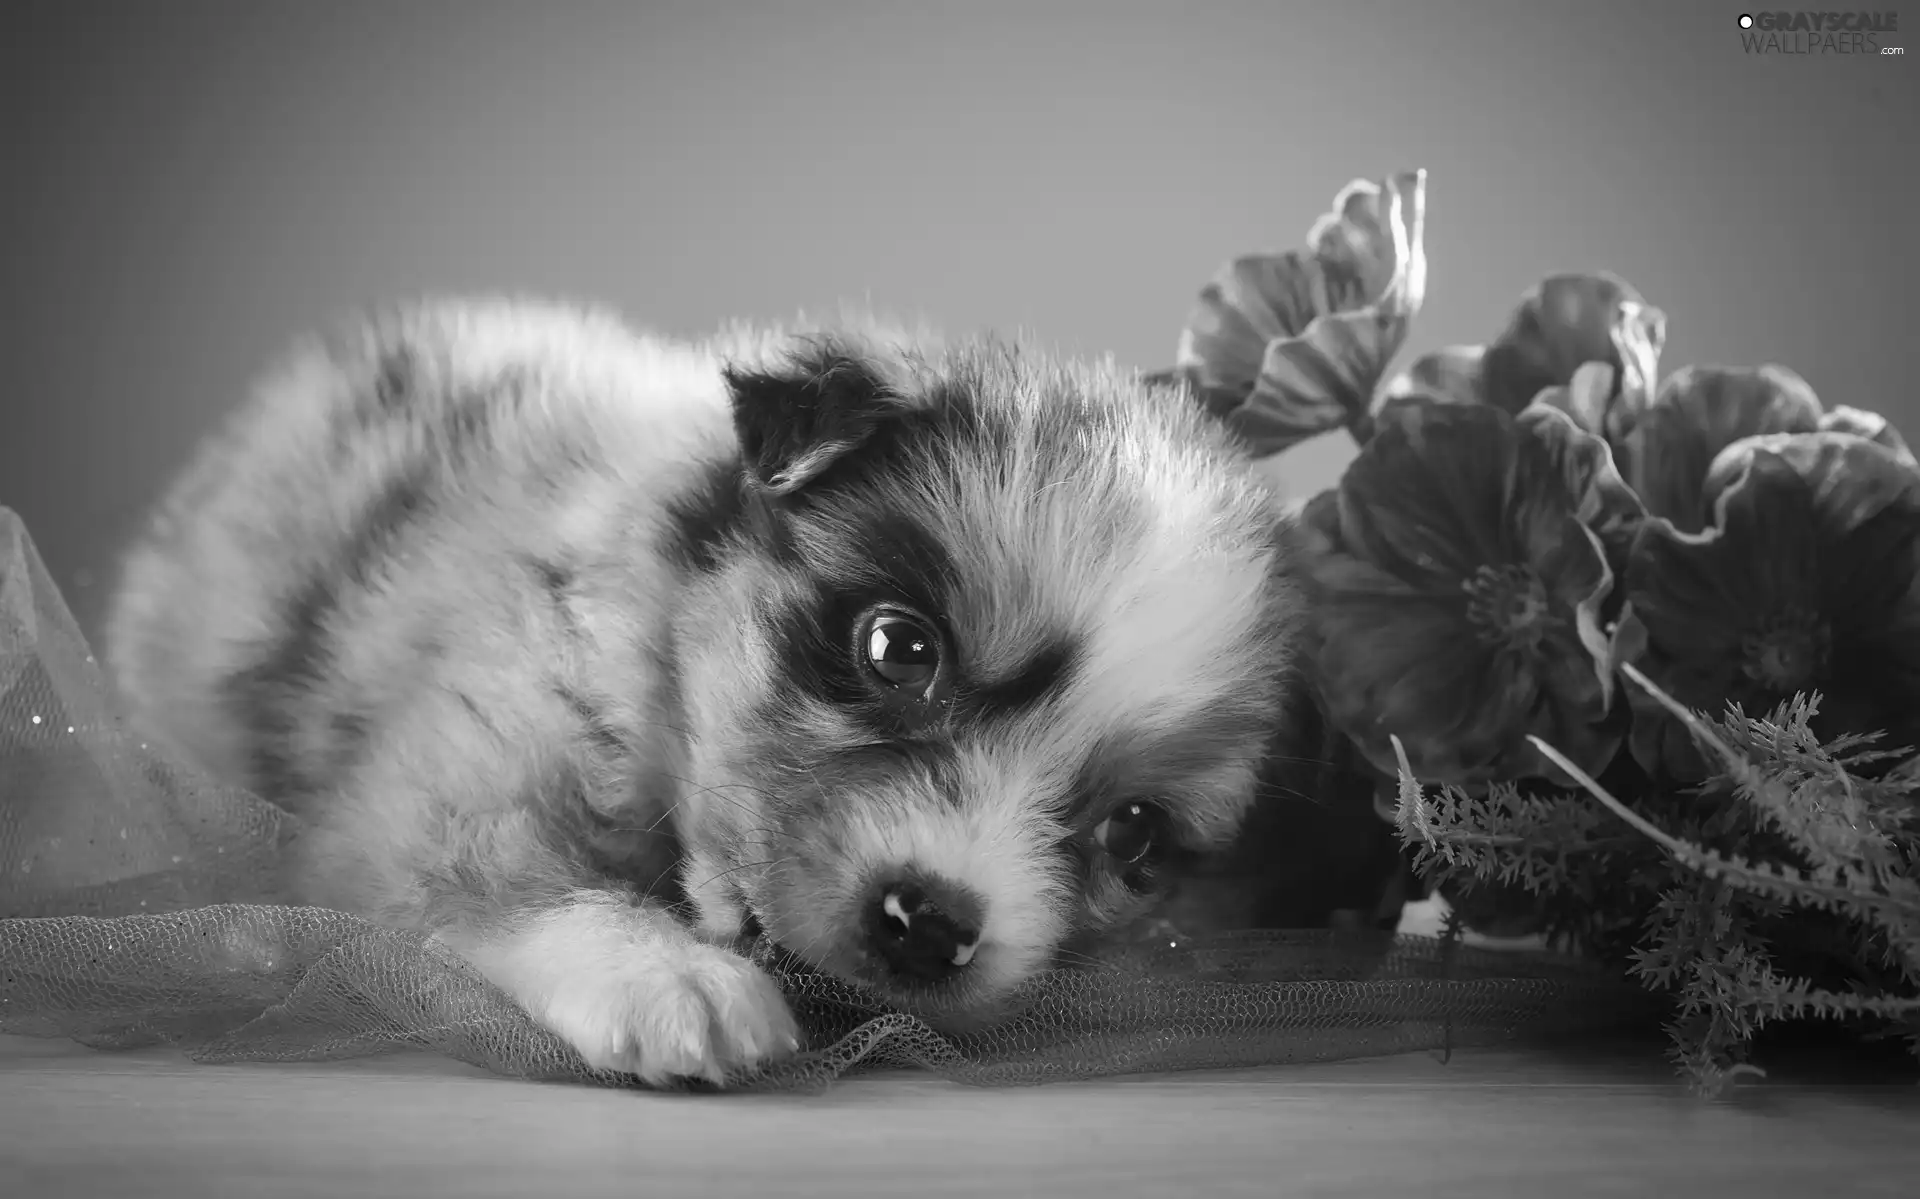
594,653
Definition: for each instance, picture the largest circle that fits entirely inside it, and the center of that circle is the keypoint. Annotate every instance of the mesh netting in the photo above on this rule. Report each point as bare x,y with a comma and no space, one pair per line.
138,907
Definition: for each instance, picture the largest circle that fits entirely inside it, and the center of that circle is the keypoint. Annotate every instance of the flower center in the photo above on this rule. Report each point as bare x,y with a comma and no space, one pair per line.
1786,653
1507,605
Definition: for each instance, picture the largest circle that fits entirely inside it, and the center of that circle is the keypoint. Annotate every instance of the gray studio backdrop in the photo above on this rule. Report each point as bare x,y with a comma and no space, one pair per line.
191,183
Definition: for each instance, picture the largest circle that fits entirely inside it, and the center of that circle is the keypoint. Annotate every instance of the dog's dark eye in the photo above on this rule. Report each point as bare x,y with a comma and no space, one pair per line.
903,652
1131,832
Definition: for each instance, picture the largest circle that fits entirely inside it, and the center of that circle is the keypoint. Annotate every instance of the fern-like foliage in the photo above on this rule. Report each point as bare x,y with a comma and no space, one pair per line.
1782,889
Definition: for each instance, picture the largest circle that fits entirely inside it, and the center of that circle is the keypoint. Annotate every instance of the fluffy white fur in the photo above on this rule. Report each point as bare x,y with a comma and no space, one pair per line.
430,590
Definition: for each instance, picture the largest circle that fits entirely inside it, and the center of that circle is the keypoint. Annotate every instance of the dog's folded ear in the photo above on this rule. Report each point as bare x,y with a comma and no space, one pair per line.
796,419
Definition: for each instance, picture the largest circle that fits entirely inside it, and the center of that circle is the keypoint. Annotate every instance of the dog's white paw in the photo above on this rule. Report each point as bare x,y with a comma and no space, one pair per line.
680,1009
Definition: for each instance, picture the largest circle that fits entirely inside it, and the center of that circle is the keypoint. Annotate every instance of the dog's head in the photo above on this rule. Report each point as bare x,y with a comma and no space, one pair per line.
989,639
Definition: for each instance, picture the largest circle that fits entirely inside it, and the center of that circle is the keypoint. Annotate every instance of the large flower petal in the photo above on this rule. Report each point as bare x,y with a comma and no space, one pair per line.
1600,498
1870,425
1450,374
1254,299
1851,480
1584,398
1284,347
1426,498
1805,581
1695,591
1700,411
1566,321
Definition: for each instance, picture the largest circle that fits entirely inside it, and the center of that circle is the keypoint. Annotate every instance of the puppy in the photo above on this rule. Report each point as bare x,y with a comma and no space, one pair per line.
593,653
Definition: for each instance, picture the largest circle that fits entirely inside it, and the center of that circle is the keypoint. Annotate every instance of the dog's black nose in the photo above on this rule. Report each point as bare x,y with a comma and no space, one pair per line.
923,931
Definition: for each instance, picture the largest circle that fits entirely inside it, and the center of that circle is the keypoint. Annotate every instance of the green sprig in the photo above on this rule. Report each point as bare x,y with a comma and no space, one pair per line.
1787,834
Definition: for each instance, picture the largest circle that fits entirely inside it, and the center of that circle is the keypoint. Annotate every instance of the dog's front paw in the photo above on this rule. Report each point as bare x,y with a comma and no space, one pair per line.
684,1009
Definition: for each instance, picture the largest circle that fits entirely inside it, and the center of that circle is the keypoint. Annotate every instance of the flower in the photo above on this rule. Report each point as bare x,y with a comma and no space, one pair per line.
1700,411
1562,323
1284,347
1566,321
1456,587
1808,579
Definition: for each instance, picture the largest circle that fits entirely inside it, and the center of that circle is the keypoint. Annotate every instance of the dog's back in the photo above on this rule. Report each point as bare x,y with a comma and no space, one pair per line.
261,625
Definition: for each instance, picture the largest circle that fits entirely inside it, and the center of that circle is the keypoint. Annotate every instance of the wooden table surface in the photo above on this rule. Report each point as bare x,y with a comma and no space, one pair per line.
75,1122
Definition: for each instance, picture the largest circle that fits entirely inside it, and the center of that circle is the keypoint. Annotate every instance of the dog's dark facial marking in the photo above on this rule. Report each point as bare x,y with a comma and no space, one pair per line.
1046,672
881,760
887,575
894,559
895,568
